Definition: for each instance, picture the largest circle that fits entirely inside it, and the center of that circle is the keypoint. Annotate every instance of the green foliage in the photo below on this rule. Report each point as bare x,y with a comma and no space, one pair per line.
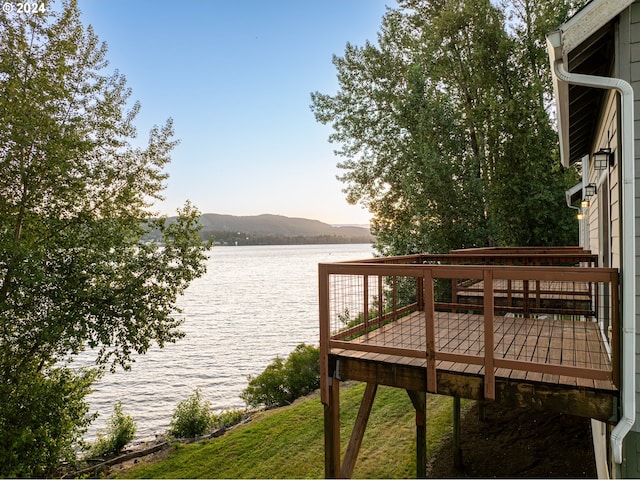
228,418
269,388
192,417
284,381
443,128
75,199
42,419
121,429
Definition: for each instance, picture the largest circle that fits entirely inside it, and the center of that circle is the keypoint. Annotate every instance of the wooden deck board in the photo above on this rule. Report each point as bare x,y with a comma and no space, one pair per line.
558,342
554,355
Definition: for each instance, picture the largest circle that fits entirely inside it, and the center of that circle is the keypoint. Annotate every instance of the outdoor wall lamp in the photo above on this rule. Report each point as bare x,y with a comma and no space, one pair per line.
603,159
580,216
589,190
584,204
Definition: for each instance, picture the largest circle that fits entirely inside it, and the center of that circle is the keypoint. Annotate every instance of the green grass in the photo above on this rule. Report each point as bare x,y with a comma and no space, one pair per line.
289,442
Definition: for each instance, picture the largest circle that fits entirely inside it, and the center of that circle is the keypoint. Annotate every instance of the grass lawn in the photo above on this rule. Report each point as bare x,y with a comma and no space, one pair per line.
289,442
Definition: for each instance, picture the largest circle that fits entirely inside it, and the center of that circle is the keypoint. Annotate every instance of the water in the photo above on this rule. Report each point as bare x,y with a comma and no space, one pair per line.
253,304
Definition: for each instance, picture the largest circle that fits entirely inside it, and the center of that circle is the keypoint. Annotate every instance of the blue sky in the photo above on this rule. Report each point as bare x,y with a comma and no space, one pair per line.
236,77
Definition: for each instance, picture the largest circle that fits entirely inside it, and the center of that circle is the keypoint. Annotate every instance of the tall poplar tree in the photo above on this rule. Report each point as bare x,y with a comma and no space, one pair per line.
530,145
443,129
75,203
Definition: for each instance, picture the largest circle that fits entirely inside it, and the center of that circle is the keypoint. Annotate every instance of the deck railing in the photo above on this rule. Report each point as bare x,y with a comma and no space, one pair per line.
491,310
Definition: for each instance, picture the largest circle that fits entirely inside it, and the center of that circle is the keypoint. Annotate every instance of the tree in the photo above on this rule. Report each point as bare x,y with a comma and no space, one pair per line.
528,143
443,132
533,151
75,201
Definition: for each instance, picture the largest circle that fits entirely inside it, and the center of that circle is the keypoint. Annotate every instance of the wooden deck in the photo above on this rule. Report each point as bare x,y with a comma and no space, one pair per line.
552,345
526,335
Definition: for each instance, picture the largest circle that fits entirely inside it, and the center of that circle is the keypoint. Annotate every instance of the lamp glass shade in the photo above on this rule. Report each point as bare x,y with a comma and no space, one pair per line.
590,190
602,159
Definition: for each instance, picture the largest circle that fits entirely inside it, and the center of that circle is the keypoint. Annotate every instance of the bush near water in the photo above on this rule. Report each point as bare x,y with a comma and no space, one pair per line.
120,431
192,417
279,384
282,381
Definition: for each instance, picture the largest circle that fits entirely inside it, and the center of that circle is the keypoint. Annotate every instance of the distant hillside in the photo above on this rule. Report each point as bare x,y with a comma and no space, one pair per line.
277,230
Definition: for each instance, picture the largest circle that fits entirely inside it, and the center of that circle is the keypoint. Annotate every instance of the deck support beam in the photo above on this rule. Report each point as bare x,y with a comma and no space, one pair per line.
359,428
489,372
419,400
509,393
457,443
332,431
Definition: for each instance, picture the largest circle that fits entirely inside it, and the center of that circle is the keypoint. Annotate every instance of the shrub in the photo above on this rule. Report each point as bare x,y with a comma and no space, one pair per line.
284,381
229,418
120,431
192,417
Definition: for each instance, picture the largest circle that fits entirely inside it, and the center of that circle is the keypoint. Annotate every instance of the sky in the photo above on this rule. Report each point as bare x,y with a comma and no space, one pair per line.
236,77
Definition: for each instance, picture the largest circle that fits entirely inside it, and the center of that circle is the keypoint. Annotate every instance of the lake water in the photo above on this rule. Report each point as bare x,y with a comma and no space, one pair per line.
253,304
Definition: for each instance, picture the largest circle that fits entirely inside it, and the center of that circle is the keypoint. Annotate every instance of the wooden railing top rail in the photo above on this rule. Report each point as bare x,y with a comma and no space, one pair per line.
489,258
522,250
506,272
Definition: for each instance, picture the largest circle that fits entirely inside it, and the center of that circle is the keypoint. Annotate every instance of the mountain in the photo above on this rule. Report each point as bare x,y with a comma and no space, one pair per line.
277,229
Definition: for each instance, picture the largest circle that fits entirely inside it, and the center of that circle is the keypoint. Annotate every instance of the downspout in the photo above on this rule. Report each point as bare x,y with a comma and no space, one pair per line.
628,274
579,187
571,192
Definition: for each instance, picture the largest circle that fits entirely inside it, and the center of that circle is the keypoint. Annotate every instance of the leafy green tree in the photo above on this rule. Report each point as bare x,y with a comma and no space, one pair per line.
41,416
75,201
443,130
540,217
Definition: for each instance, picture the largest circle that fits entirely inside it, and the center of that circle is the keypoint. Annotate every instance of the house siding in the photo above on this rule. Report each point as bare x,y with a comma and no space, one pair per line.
630,29
605,224
627,67
607,182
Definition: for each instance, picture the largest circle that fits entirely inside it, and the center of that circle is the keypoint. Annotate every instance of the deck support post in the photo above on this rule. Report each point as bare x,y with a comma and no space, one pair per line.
332,431
482,410
419,400
489,371
430,331
457,444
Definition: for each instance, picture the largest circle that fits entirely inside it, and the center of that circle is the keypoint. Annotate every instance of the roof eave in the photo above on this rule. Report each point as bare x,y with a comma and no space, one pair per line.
561,95
593,16
561,42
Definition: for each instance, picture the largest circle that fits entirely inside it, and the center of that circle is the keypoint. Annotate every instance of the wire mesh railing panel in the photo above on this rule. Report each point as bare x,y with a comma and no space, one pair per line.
362,308
459,324
551,321
346,302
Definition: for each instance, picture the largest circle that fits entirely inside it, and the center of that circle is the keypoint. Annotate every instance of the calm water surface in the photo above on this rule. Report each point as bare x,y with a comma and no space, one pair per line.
253,304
